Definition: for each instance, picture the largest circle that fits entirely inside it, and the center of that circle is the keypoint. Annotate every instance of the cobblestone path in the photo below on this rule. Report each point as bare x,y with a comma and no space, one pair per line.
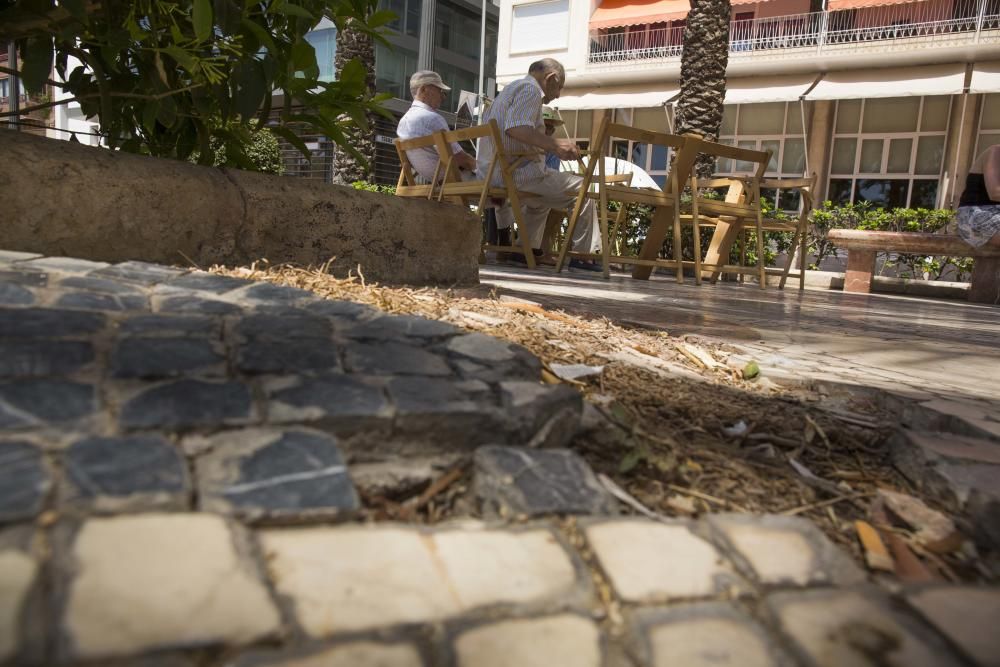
181,456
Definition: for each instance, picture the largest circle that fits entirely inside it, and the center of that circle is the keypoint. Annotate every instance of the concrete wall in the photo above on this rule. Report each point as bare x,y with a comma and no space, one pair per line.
62,198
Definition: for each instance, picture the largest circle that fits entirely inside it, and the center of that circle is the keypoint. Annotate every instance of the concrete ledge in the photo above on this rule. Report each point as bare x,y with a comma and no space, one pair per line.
67,199
832,280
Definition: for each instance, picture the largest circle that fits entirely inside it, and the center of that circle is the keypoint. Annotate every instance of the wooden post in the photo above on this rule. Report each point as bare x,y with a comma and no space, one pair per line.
985,280
860,267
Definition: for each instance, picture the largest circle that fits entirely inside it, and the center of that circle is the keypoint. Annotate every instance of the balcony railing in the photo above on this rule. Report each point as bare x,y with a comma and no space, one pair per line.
884,28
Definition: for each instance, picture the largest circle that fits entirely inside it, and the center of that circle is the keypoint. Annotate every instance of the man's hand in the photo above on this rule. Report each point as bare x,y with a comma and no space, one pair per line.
567,149
465,161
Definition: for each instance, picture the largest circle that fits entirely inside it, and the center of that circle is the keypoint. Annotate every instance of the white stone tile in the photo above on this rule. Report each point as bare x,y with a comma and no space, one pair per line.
708,642
553,641
357,654
354,578
970,617
647,560
17,574
488,567
154,581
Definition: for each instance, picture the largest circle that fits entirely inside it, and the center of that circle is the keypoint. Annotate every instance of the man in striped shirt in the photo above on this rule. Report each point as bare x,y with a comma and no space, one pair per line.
518,113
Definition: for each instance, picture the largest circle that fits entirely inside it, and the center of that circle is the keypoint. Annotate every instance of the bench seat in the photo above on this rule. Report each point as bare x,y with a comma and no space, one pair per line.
861,246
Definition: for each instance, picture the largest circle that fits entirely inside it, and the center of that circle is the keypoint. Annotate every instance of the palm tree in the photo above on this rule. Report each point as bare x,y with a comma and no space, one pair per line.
351,44
703,74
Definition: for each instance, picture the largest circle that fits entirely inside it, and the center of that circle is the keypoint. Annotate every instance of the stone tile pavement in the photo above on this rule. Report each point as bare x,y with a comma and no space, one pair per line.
183,456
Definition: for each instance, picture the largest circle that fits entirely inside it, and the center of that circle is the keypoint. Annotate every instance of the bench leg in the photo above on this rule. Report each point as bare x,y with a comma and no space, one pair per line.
985,280
860,266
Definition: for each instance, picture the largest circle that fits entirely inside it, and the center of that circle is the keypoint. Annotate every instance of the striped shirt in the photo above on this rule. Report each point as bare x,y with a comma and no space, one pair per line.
517,105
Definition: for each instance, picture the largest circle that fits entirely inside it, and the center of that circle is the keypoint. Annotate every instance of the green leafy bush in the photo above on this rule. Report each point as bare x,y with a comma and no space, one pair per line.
864,215
372,187
261,152
169,77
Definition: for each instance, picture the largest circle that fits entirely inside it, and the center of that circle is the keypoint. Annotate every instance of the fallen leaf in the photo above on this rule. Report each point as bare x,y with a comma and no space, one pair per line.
751,370
876,555
908,566
629,461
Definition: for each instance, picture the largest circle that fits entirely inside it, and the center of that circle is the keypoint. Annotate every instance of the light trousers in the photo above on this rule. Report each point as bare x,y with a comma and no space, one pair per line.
556,189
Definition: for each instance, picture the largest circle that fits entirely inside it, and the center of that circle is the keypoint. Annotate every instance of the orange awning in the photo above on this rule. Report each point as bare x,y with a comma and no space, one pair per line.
834,5
617,13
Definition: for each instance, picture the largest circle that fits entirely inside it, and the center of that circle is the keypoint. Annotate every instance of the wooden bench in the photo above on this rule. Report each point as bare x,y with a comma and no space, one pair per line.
861,246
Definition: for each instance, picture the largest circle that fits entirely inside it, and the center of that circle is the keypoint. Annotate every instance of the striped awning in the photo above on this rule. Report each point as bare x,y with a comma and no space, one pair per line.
619,13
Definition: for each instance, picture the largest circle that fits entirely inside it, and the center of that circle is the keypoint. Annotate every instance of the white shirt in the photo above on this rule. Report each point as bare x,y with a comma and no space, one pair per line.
420,120
517,105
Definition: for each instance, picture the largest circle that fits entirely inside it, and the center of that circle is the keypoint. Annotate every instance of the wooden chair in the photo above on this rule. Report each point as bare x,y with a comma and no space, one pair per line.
665,203
448,184
798,227
728,216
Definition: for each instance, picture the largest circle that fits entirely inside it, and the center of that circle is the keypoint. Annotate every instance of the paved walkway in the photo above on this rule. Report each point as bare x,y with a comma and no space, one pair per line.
924,348
183,458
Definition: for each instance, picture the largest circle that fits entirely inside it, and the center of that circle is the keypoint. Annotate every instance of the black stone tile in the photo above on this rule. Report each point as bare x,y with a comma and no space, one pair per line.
499,359
38,402
392,327
275,474
346,310
24,480
188,404
184,303
99,301
25,277
296,355
101,285
47,323
170,325
39,358
141,273
264,292
15,295
445,415
391,358
207,282
333,396
120,467
275,327
149,357
512,481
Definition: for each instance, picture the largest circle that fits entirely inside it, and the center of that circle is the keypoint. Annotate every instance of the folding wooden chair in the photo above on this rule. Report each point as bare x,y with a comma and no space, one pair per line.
729,216
665,203
409,182
798,227
483,191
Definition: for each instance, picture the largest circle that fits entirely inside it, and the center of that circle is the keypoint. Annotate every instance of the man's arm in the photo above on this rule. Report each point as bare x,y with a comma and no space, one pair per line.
566,149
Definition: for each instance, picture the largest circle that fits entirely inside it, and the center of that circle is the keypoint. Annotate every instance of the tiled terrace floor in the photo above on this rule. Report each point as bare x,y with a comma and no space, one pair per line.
914,346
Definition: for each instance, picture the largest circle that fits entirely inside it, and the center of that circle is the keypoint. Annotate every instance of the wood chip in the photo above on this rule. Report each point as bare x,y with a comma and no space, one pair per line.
932,529
876,555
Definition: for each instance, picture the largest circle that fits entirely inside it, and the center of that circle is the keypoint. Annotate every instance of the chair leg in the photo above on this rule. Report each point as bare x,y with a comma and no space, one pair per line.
802,258
678,255
761,271
522,230
793,248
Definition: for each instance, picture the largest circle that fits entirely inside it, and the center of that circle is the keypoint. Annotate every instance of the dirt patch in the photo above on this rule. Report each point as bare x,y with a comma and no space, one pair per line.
685,425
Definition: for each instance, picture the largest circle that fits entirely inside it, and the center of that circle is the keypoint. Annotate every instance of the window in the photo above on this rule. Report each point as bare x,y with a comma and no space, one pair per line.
407,13
393,69
325,44
770,126
5,89
889,151
653,159
540,26
989,123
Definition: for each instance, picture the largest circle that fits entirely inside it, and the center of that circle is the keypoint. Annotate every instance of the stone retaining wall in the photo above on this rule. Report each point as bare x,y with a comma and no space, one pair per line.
62,198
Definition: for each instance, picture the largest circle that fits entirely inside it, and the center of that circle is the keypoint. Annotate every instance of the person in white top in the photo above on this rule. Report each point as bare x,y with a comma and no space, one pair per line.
518,113
422,119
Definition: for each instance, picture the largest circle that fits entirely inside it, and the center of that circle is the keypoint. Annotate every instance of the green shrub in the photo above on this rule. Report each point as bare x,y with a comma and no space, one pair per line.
372,187
261,152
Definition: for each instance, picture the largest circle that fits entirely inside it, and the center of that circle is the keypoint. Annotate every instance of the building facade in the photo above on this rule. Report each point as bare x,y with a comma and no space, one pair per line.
887,101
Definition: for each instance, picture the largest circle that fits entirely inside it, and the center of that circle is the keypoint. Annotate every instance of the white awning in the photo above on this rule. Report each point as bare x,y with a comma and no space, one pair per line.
768,89
896,82
985,78
617,97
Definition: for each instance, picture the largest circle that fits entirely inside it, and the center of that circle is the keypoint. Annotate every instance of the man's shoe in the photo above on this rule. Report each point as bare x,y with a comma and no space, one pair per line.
584,265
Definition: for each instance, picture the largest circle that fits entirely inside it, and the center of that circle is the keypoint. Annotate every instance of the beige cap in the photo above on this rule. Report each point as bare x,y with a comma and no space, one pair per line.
426,77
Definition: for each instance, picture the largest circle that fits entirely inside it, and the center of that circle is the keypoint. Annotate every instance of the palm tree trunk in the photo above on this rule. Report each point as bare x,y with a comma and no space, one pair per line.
347,169
703,74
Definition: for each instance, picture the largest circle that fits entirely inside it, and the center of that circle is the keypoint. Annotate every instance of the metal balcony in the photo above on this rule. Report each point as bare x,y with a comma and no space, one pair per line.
885,28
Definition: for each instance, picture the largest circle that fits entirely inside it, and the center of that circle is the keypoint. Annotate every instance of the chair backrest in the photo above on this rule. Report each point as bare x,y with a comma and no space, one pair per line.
744,191
408,182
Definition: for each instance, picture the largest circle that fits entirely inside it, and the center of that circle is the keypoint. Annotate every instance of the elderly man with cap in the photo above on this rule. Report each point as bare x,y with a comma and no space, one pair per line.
518,113
422,119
